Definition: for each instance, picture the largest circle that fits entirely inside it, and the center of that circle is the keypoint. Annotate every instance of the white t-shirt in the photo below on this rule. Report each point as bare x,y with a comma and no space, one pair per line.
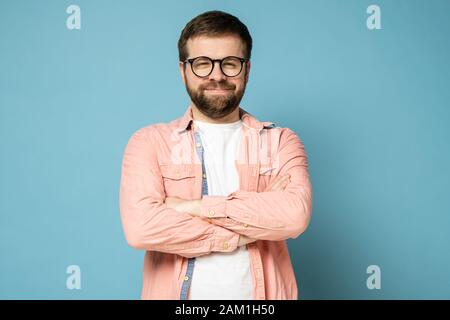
221,275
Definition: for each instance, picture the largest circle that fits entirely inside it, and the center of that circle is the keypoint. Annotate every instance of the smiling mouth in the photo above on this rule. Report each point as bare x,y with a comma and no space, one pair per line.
217,90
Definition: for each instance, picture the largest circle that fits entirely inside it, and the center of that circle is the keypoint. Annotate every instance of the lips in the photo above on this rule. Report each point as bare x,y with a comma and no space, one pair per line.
215,88
218,90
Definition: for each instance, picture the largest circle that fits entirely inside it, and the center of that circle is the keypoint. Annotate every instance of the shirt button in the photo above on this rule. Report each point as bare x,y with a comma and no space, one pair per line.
198,144
186,278
177,173
211,212
225,245
204,176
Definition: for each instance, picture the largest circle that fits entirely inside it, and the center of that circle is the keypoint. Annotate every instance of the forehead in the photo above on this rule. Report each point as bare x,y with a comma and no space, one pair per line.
215,47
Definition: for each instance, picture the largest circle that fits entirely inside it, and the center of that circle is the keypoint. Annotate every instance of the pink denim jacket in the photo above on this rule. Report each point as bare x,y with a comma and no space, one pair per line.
161,161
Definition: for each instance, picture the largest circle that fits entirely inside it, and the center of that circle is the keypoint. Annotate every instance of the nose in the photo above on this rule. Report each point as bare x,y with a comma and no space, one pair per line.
217,73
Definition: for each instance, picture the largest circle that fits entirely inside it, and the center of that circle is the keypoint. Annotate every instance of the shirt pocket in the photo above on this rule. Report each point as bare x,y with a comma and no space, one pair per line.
179,180
266,174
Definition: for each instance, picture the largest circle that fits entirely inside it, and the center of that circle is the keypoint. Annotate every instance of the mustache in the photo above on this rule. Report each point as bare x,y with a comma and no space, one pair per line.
218,86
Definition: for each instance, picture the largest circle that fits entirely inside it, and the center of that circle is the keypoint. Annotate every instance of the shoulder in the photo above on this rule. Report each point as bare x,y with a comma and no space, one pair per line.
154,132
283,133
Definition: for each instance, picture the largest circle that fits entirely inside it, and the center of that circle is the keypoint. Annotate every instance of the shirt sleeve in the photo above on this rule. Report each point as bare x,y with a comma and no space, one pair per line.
148,223
273,215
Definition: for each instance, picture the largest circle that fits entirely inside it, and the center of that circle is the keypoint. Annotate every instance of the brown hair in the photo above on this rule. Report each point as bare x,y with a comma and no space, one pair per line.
214,23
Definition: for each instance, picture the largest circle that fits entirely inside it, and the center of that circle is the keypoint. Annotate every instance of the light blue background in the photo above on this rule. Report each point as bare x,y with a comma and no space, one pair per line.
372,108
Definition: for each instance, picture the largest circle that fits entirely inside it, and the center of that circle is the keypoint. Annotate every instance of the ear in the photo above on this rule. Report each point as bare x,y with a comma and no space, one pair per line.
182,72
247,71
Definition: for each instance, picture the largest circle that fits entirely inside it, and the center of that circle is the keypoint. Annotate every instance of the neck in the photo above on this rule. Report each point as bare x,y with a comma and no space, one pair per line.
232,117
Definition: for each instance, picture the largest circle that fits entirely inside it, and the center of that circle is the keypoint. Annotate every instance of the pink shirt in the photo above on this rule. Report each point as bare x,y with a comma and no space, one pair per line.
161,160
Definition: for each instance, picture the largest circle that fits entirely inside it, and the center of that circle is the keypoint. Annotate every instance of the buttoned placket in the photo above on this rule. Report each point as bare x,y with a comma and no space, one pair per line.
191,261
252,154
253,250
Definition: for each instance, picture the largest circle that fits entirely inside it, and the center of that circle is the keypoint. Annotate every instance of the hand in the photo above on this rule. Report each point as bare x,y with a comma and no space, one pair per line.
279,183
244,240
185,206
192,207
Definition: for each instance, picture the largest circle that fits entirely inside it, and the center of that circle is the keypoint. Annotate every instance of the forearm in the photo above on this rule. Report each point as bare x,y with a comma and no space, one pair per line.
270,215
273,215
148,222
158,228
266,215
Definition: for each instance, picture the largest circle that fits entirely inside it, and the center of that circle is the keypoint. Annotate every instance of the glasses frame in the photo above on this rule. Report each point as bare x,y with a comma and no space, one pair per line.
213,61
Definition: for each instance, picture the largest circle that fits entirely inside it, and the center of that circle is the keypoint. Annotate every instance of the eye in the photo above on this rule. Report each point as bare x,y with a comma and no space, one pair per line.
230,64
202,64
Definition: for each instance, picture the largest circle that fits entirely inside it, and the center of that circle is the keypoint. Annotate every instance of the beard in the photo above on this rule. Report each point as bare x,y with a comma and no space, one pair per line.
216,106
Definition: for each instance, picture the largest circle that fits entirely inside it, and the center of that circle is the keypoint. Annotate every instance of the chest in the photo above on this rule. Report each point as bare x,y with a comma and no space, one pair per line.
185,159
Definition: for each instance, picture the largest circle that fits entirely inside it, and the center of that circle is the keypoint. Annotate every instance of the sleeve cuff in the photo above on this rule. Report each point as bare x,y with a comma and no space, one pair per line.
213,207
225,240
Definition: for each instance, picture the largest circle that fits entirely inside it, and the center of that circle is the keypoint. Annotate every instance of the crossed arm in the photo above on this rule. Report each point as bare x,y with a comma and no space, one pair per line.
153,222
193,207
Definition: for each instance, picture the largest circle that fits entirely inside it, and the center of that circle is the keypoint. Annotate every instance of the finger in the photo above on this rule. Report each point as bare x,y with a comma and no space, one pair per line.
168,200
277,180
171,202
281,184
274,184
284,184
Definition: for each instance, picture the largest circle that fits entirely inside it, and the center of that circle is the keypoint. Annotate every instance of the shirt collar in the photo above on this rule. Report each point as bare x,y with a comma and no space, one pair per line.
248,120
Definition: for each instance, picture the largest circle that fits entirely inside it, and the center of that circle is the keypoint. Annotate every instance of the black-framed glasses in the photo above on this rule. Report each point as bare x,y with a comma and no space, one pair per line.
203,66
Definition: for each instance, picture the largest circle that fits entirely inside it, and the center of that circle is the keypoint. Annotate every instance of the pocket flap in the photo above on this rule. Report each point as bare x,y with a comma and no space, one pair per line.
266,170
177,171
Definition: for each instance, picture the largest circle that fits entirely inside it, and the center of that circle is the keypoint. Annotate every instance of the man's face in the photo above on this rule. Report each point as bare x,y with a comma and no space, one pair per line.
216,95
